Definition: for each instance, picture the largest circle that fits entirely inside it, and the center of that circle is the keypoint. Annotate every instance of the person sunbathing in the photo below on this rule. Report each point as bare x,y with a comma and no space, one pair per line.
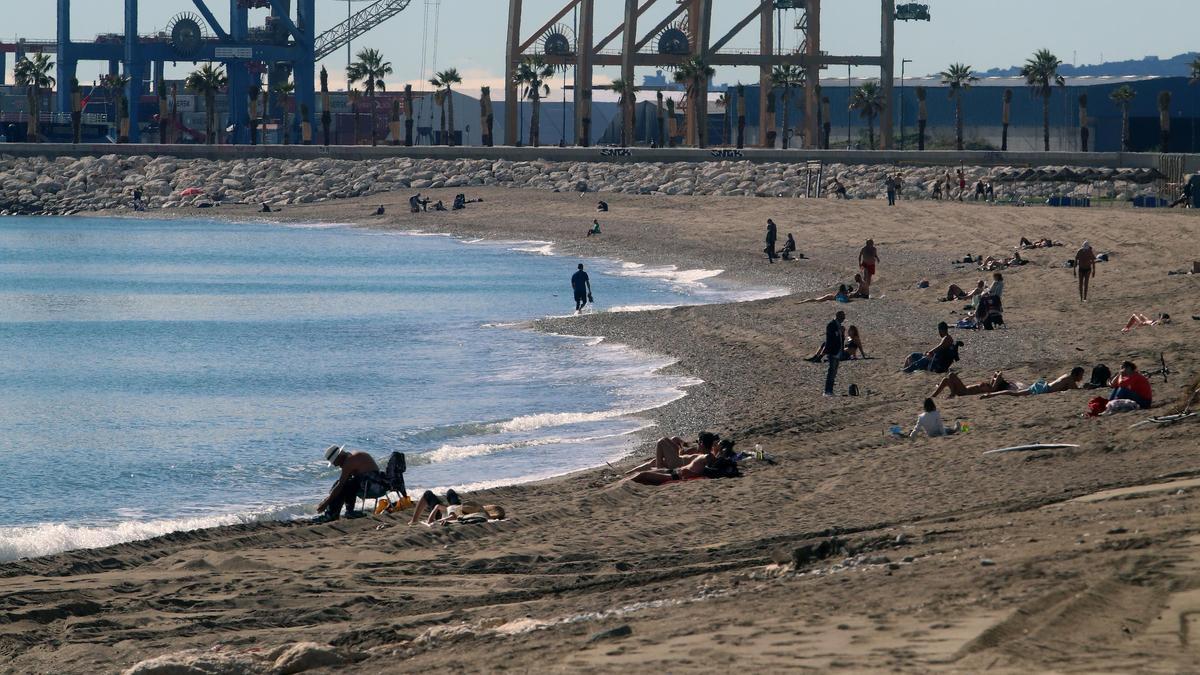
430,501
668,453
1071,380
842,295
954,384
1040,243
955,292
467,512
693,469
1142,320
991,263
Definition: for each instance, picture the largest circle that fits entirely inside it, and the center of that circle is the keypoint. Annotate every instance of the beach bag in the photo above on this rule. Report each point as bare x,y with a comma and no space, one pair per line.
1100,376
1097,406
1120,405
853,391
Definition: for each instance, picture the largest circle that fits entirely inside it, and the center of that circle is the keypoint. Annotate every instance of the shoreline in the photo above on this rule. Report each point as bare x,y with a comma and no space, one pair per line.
298,512
855,552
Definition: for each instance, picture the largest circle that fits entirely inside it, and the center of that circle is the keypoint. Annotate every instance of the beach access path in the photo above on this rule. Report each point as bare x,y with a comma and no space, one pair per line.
856,552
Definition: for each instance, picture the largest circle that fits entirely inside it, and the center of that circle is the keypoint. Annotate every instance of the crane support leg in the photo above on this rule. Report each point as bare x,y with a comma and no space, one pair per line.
766,49
887,75
511,104
583,73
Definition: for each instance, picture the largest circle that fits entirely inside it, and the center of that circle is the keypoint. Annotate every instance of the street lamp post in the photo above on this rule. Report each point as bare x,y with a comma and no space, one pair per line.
902,62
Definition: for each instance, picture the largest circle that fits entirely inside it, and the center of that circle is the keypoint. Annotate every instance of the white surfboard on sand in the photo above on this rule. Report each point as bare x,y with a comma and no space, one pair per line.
1032,446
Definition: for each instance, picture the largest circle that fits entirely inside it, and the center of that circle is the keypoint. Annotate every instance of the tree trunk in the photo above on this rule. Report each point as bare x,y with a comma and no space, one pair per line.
371,121
1084,133
1046,122
210,117
921,134
828,134
958,120
326,117
287,127
871,132
1125,127
1004,139
725,131
1005,118
783,125
253,121
442,113
741,122
31,127
1164,129
163,116
535,118
485,132
408,116
450,114
629,121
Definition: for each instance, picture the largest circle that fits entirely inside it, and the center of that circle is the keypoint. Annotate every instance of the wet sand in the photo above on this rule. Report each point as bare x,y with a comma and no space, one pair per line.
855,552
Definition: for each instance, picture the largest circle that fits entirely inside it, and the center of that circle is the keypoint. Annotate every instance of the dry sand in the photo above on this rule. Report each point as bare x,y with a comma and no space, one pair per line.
854,553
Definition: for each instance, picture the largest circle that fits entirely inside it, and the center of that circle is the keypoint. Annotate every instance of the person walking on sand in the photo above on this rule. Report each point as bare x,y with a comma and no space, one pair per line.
582,286
868,257
1084,268
771,234
890,186
835,340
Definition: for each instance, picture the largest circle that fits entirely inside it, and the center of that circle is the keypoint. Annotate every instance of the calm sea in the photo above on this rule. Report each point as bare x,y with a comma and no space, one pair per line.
158,376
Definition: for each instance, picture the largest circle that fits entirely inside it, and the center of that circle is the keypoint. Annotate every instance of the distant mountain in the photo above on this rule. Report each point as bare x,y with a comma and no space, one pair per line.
1176,66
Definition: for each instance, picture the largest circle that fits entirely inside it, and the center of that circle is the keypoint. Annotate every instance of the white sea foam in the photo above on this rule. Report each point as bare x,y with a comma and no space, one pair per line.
669,273
538,247
450,453
640,308
50,538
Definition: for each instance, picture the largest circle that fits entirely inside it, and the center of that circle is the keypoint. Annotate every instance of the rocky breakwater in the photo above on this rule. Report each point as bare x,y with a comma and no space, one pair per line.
65,185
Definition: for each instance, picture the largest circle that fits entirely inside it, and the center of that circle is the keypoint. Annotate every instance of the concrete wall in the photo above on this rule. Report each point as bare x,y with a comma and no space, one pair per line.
911,157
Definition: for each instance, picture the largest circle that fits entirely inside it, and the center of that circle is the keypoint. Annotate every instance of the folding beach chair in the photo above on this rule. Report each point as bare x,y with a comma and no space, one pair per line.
382,484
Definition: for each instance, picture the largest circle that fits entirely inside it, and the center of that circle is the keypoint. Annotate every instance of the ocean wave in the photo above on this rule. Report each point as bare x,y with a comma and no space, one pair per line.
670,273
450,453
538,247
51,538
640,308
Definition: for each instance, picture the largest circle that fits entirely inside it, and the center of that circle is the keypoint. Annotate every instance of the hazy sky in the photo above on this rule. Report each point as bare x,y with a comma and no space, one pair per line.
471,33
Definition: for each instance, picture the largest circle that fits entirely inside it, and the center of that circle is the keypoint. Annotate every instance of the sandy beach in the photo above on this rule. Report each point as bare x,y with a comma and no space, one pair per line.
855,552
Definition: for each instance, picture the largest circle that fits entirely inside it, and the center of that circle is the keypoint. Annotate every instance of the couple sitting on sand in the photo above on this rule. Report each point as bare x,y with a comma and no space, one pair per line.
852,350
715,459
997,385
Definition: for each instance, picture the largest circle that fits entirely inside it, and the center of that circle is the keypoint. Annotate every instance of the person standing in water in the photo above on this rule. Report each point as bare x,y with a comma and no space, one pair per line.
771,234
1085,268
582,287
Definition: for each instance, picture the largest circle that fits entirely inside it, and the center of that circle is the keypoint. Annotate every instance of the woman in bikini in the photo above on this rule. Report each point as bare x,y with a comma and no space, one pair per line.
842,295
955,292
954,384
854,345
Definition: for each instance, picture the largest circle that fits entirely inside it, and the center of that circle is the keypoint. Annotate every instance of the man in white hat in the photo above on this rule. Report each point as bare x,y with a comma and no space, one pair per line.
356,467
1084,268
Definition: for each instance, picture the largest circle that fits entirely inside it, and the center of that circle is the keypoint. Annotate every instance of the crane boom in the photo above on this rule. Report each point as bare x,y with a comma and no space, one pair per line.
364,20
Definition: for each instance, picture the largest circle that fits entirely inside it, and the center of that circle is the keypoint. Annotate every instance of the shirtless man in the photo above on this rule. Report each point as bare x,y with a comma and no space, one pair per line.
1071,380
868,257
356,467
957,387
1085,268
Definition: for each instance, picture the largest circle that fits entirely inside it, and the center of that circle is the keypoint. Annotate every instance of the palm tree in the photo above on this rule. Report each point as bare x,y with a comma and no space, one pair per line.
628,96
1006,118
34,75
208,81
868,101
370,69
353,96
662,120
922,117
787,76
1041,74
671,122
1084,132
1195,68
284,90
742,115
408,116
326,115
827,116
116,84
1123,96
723,101
255,95
486,117
160,89
1164,121
959,78
693,74
532,74
444,81
77,112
